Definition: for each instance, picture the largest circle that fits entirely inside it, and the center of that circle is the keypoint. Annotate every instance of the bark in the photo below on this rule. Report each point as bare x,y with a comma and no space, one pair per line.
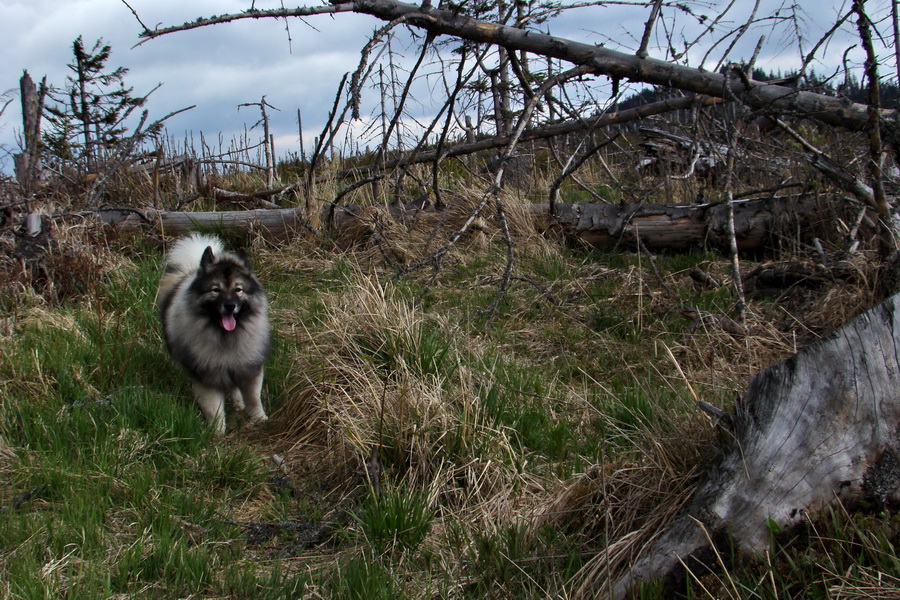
618,65
278,222
757,223
820,427
28,162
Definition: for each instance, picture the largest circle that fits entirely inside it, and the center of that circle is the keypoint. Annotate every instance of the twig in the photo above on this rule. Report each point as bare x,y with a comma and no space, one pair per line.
648,30
134,12
322,143
652,260
127,209
876,151
735,261
701,276
255,13
720,417
573,166
852,243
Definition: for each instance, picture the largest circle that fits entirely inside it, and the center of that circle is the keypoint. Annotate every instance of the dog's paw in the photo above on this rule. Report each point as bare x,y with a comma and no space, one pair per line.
257,418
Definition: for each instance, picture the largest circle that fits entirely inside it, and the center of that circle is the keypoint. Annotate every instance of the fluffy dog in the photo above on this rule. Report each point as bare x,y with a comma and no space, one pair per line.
215,318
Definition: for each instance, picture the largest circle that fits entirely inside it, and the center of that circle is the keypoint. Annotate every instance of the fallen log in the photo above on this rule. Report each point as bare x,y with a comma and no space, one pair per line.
820,427
758,222
276,221
580,125
619,66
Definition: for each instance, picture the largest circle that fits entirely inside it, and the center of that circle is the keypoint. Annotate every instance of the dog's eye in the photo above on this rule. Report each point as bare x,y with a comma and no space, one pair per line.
216,289
238,290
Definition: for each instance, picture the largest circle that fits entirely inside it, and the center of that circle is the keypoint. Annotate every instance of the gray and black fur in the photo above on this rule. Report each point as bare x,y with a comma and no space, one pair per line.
215,319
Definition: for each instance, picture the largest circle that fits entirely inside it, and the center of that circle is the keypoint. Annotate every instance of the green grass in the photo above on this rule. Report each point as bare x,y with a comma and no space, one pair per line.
118,489
397,519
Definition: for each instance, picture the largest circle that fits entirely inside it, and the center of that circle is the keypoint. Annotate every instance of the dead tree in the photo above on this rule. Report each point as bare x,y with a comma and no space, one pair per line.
758,222
268,144
729,85
28,162
818,428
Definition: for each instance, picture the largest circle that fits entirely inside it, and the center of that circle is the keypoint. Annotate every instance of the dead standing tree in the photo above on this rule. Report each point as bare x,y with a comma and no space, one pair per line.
268,139
28,162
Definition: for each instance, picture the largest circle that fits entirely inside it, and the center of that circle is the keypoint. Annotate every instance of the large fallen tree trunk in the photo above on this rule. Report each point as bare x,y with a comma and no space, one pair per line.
820,427
758,222
601,61
276,221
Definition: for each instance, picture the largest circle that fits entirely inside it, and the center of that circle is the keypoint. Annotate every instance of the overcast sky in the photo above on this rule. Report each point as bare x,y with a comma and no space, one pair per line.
217,68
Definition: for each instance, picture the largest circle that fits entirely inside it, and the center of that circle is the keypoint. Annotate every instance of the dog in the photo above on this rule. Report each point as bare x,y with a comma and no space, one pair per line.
215,319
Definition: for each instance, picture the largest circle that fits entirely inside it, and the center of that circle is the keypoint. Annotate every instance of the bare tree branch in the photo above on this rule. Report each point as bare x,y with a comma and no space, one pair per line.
876,155
597,59
648,30
252,13
543,132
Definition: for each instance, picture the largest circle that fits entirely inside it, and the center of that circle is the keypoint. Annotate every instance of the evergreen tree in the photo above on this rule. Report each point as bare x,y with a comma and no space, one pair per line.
87,116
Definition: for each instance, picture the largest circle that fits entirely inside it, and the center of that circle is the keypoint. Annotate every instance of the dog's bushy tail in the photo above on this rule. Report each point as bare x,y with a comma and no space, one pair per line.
184,256
183,259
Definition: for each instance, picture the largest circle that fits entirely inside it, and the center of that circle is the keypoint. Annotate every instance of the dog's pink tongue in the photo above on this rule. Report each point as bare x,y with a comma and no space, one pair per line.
228,322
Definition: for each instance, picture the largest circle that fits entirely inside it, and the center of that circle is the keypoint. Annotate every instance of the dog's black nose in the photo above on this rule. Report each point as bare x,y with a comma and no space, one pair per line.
229,307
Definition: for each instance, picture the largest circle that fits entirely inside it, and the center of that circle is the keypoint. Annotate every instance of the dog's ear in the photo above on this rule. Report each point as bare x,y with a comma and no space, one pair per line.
242,256
207,259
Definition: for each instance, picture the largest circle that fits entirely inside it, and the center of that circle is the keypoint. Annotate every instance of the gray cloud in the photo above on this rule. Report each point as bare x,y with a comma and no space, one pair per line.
216,68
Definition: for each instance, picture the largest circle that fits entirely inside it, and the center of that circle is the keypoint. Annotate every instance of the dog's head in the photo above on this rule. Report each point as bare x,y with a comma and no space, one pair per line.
227,289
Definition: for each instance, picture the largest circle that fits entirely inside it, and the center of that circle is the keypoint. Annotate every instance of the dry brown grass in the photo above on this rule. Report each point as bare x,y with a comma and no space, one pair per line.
863,584
358,384
67,260
411,239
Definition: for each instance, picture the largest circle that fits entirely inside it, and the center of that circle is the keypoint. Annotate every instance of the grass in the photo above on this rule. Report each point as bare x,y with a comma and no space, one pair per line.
399,519
420,453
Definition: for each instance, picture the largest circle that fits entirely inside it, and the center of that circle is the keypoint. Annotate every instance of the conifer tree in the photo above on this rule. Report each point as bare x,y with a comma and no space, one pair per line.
88,116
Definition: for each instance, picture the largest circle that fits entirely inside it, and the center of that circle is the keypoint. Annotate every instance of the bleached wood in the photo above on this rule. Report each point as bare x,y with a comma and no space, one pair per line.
812,429
757,222
276,221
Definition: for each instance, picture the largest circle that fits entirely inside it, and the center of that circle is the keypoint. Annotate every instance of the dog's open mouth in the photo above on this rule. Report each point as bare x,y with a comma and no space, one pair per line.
228,322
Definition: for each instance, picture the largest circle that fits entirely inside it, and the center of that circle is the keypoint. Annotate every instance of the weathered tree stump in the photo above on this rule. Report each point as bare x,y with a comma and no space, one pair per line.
820,427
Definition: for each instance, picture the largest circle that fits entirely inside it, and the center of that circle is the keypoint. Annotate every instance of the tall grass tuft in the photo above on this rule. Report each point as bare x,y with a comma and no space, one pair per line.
397,519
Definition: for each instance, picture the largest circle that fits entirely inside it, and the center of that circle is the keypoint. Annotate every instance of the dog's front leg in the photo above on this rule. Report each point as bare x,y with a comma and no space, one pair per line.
252,393
212,404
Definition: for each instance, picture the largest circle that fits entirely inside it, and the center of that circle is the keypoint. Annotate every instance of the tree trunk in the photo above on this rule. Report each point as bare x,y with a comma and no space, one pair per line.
277,222
28,163
618,65
821,426
758,222
602,61
84,114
